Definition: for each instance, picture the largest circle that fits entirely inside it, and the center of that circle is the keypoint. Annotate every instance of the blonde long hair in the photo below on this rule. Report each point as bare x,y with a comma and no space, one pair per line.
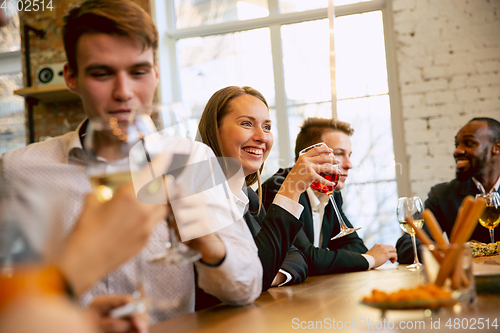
211,120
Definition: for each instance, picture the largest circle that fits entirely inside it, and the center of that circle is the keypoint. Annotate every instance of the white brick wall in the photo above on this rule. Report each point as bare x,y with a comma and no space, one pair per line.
448,56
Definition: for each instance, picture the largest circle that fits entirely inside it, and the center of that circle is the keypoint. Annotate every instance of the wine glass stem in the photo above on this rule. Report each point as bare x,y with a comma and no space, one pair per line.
139,273
172,237
492,235
339,217
414,242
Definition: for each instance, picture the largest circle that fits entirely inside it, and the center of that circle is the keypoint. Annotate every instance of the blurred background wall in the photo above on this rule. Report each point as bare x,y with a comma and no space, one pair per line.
448,59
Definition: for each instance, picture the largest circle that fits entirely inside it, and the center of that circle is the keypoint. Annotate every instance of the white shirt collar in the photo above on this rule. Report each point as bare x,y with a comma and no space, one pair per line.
316,198
75,148
313,199
497,184
481,188
241,198
318,202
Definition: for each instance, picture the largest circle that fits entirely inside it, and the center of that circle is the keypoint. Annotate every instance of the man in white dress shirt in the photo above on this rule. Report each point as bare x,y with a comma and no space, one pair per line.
111,49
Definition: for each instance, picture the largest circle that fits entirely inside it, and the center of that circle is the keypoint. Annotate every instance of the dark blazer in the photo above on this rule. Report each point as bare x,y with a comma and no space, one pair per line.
337,256
274,233
443,200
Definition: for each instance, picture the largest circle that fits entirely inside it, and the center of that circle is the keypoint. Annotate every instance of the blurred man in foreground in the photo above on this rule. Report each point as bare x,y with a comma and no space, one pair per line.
39,282
111,49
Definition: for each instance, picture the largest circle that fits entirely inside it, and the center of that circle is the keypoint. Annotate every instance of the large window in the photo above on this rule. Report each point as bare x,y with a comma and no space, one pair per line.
282,48
12,120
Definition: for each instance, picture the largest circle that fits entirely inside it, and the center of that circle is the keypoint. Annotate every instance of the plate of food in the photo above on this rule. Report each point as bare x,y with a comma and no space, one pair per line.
427,296
485,252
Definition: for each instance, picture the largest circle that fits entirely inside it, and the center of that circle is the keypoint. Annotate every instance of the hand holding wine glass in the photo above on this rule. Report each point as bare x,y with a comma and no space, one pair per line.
413,207
174,130
491,215
327,189
109,144
306,170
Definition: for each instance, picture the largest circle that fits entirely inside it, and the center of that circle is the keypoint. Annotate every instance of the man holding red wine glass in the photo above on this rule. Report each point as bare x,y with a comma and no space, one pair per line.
328,190
321,223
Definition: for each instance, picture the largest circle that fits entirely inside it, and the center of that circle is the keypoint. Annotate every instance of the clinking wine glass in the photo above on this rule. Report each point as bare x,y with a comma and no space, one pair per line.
108,144
175,130
333,177
411,206
491,215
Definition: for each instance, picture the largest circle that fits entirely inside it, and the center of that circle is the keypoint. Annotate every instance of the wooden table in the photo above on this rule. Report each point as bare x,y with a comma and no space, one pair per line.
321,299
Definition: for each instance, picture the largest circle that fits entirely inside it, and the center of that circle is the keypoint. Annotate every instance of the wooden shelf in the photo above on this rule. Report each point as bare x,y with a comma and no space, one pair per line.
51,93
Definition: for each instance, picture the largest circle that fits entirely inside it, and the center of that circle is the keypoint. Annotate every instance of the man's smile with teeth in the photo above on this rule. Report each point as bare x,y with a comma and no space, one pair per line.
462,163
254,151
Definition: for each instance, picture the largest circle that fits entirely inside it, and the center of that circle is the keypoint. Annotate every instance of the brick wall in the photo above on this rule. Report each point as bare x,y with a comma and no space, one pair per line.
52,119
448,54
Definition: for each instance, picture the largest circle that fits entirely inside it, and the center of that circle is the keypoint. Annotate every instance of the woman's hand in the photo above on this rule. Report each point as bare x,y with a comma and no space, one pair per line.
306,170
278,279
192,223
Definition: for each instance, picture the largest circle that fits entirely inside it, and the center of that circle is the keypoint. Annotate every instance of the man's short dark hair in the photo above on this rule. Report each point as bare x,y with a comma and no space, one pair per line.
112,17
493,127
312,130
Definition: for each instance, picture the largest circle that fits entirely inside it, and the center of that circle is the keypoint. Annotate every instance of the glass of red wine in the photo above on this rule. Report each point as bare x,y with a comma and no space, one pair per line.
334,178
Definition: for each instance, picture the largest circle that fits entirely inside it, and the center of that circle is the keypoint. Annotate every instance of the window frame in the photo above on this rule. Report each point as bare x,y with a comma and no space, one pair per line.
169,90
10,62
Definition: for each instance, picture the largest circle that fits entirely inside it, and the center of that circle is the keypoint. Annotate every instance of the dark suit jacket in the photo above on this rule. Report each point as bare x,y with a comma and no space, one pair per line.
444,200
337,256
274,233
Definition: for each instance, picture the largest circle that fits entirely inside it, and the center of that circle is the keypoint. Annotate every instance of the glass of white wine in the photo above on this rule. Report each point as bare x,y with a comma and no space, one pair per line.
177,131
491,215
108,145
411,206
108,142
